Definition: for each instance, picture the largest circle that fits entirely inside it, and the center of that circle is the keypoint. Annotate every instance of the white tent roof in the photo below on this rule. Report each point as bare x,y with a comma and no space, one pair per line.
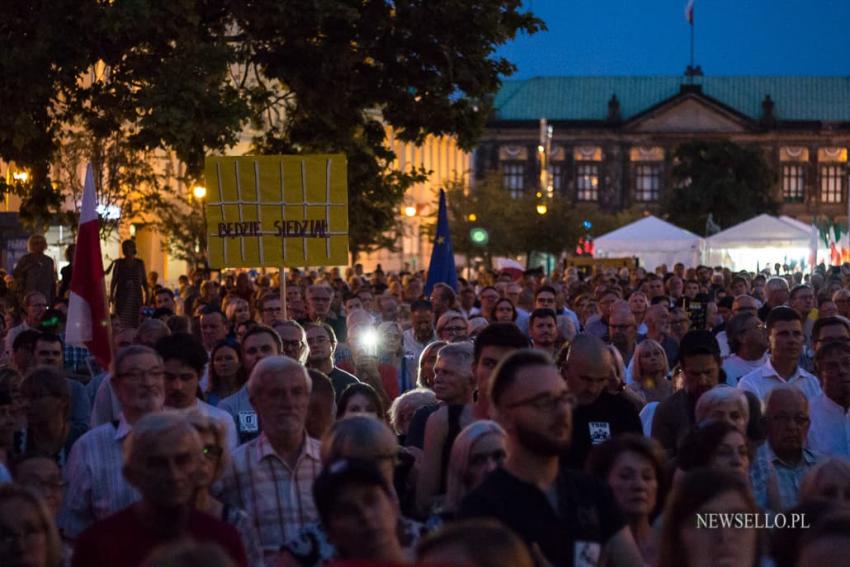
652,241
794,222
763,231
649,233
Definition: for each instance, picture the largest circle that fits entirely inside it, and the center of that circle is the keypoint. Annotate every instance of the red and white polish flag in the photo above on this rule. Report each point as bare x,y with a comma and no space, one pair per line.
689,12
88,321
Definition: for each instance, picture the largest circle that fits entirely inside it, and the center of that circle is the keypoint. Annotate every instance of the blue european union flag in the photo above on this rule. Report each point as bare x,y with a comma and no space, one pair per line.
442,267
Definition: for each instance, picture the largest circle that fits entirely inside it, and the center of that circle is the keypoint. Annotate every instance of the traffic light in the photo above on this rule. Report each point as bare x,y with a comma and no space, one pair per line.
479,236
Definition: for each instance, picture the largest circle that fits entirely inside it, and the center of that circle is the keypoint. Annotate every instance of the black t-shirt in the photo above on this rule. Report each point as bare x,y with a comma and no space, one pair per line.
585,520
610,415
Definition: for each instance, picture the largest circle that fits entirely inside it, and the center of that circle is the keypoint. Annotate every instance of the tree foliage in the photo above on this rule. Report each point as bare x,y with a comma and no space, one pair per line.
731,182
187,76
514,225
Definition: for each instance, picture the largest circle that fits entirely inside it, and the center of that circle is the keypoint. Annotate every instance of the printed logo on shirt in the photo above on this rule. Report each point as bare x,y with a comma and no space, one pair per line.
600,431
586,553
248,422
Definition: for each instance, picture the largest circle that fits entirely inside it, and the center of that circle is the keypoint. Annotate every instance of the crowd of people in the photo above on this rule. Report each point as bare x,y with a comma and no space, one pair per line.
514,420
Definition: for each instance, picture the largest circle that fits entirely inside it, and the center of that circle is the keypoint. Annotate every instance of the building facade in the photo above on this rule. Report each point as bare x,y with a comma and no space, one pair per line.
613,138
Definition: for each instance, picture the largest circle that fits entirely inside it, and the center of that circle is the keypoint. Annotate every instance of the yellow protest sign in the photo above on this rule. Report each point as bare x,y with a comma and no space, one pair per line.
277,211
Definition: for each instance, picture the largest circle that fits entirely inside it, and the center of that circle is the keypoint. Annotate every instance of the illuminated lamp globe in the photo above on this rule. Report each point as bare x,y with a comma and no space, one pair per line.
410,211
199,191
542,209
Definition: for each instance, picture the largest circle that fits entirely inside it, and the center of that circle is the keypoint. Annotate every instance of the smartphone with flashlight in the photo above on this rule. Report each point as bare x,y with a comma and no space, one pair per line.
368,340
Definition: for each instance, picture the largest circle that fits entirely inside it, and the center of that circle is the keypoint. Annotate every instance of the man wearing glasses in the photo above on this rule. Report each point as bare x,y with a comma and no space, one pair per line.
747,340
271,309
96,483
598,416
786,420
565,513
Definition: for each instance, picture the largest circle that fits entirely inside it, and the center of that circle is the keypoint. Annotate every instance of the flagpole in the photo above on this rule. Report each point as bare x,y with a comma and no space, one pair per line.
692,51
283,291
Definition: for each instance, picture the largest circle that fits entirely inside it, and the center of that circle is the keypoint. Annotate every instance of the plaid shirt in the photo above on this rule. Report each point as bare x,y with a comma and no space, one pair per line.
96,484
767,468
278,499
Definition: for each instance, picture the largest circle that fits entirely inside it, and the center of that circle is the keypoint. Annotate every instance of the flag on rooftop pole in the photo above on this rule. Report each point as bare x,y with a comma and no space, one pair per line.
689,12
442,267
88,318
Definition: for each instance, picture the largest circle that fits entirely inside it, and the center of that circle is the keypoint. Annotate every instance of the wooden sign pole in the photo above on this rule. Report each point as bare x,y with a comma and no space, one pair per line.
283,292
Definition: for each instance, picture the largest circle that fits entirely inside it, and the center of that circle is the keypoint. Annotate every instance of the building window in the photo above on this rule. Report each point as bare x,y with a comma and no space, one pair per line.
793,183
513,178
647,182
587,181
588,160
832,184
557,177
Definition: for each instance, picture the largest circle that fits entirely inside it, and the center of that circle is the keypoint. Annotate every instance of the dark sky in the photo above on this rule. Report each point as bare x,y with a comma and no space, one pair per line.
651,37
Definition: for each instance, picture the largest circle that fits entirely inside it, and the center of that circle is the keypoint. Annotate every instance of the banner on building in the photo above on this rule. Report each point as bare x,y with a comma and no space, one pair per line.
277,211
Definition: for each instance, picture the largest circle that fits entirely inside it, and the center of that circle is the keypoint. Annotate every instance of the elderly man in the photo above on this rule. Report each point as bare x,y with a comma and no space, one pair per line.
786,420
163,460
96,486
258,343
454,384
841,298
785,335
35,306
563,513
598,415
271,477
700,360
830,430
294,340
776,294
657,321
741,304
747,339
319,299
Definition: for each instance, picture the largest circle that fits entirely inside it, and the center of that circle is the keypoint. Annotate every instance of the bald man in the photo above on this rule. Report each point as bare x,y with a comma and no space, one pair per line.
598,414
786,420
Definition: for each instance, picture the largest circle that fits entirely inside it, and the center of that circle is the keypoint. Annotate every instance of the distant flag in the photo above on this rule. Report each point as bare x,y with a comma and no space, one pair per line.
88,318
689,12
442,268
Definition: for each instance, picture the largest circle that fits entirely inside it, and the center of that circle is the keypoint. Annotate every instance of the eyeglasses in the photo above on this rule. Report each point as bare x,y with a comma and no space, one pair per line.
798,419
137,376
546,402
213,452
27,534
453,329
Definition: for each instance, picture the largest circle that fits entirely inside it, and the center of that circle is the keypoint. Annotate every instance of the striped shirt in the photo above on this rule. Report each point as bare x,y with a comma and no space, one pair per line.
96,484
278,499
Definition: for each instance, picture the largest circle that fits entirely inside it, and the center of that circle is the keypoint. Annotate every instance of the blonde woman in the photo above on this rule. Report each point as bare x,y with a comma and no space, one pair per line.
649,369
477,451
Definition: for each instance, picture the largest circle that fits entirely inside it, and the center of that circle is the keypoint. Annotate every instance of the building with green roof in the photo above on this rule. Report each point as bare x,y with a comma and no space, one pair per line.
612,138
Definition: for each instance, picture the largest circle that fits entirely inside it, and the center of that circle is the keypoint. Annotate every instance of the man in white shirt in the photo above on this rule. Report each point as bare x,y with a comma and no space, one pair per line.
829,433
785,336
184,359
748,341
94,472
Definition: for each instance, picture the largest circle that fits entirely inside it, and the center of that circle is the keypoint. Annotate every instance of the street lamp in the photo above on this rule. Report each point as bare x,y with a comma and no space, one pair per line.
21,176
542,209
200,193
410,211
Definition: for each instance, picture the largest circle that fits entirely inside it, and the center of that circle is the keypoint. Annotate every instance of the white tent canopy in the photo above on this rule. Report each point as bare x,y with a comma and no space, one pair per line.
759,242
653,242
